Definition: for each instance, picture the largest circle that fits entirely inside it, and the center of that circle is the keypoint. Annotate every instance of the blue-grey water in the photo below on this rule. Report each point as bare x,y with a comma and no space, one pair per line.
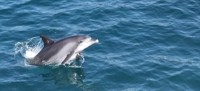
145,45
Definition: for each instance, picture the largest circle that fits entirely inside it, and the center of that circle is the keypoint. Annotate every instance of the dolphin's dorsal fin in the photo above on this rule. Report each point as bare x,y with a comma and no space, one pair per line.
47,41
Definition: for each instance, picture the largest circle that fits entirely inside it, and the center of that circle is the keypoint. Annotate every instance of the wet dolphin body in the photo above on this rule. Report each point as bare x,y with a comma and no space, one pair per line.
63,51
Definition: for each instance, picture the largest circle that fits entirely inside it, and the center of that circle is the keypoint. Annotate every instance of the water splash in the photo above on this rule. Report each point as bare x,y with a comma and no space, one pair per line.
29,48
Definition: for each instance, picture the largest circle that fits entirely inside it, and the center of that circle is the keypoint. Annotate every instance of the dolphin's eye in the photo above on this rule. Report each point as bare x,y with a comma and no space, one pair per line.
81,41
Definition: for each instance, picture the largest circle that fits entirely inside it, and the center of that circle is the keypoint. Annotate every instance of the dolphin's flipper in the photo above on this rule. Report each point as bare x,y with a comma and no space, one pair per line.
79,56
77,61
46,40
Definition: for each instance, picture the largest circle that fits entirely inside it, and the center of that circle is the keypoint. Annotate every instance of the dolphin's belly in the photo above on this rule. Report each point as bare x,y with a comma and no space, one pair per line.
59,59
62,55
56,59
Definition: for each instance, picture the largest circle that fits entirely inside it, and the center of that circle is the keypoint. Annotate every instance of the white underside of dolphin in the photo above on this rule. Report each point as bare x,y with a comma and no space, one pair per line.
62,52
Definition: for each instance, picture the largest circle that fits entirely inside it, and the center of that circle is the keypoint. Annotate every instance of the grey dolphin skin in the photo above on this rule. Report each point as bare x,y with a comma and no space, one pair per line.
63,51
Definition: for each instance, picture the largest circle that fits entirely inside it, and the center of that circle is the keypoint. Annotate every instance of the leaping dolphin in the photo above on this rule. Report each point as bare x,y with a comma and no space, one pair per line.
63,51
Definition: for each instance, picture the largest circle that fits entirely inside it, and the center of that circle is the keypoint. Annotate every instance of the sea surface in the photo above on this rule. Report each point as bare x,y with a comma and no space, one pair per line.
144,45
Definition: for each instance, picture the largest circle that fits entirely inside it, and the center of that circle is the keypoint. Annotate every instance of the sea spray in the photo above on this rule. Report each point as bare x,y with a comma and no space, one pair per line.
28,49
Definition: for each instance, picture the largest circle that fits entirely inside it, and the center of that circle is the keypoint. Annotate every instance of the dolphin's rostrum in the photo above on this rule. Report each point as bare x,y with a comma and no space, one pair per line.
63,51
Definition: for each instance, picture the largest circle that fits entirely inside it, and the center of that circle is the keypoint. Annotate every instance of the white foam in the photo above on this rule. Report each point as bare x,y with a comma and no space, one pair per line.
30,48
74,66
30,54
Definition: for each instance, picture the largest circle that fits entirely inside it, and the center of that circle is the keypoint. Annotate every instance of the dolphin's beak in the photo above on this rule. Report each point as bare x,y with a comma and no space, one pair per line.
92,40
95,41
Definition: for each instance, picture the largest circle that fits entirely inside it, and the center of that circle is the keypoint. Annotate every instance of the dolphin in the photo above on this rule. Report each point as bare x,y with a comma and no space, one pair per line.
63,51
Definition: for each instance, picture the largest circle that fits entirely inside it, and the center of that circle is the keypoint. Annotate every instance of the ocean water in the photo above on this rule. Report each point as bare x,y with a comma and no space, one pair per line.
145,45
